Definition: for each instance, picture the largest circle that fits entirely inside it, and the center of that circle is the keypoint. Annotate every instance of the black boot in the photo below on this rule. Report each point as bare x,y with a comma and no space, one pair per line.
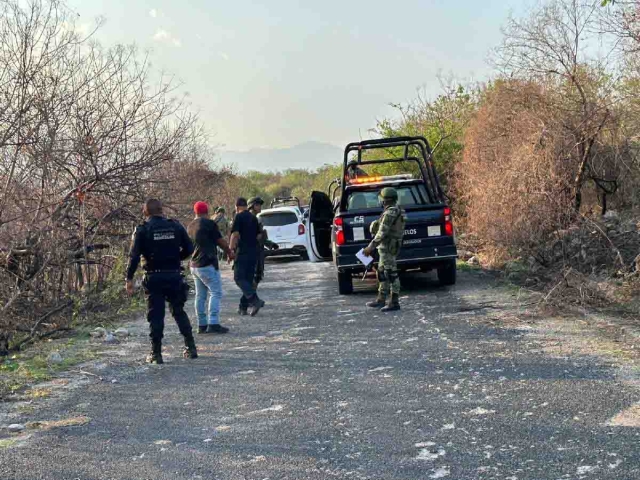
202,329
217,328
378,302
394,304
155,356
257,304
190,350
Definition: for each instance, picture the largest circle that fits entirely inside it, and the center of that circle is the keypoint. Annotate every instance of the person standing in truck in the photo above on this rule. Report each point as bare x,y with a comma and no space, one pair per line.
388,231
354,171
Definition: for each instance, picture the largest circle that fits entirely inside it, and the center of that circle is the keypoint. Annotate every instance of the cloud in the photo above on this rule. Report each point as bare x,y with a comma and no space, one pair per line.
163,36
153,13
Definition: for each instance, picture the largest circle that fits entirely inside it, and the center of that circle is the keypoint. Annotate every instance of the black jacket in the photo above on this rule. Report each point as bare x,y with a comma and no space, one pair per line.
163,243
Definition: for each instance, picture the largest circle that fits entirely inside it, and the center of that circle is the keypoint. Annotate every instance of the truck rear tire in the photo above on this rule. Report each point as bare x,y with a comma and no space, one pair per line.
447,273
305,256
345,283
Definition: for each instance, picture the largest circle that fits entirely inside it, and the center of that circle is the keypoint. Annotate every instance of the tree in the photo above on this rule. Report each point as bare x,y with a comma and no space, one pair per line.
551,47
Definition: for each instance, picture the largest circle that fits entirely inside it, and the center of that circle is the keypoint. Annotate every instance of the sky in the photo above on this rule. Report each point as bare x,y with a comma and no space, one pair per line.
280,73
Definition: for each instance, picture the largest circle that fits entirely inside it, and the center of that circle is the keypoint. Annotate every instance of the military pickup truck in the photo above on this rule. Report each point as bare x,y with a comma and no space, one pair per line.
339,226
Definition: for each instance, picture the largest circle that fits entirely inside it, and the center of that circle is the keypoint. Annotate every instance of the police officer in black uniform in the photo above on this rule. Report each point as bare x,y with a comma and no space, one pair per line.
163,243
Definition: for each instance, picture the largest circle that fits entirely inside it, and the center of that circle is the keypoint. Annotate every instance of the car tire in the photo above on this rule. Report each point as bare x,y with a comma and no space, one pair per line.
345,283
305,256
447,273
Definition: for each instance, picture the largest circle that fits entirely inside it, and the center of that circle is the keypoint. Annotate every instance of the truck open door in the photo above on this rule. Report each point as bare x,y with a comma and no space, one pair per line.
319,223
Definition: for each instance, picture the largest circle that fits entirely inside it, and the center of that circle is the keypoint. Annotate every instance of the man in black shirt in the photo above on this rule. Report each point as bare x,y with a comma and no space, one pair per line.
206,237
163,243
244,241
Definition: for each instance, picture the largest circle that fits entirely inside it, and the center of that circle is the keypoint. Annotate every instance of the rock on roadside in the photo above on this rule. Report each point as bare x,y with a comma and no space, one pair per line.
121,333
54,358
99,332
110,338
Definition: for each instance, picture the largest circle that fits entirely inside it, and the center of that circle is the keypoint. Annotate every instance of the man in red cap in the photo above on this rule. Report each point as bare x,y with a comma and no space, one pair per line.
205,269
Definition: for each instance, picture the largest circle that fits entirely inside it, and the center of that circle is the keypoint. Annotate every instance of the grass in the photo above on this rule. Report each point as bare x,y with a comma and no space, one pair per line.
463,266
31,366
7,442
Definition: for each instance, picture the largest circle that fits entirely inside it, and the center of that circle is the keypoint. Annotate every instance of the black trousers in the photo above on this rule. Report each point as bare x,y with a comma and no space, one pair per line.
244,271
168,287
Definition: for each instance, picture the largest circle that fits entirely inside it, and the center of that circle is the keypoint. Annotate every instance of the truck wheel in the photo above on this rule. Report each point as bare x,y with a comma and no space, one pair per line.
345,283
447,273
304,255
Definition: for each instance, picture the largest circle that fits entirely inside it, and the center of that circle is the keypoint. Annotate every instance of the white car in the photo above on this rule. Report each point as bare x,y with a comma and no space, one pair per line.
285,226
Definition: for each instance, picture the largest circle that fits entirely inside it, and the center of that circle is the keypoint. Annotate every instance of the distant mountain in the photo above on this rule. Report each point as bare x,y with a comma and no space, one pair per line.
309,155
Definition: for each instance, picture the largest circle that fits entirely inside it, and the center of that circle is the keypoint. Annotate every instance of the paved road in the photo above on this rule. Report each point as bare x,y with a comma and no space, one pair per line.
455,386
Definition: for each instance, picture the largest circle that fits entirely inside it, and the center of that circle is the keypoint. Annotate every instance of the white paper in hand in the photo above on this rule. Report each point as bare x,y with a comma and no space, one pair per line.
363,258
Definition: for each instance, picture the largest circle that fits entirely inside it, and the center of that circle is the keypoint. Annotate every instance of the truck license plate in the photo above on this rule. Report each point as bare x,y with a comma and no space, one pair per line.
358,234
434,231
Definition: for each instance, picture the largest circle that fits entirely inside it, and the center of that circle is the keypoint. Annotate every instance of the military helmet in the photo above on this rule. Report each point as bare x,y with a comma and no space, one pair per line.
221,210
352,162
389,193
255,201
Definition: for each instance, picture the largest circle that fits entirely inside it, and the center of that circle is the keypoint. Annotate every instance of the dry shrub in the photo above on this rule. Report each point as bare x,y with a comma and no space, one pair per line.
513,180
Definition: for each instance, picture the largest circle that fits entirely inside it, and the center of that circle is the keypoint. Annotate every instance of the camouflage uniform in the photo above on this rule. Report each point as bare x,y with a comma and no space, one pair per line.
224,227
388,231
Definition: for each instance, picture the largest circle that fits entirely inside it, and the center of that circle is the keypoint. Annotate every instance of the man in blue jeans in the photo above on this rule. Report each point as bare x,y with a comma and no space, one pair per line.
205,269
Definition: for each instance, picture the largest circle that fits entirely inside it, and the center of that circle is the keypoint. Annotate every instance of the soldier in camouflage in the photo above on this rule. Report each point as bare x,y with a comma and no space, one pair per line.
223,225
387,231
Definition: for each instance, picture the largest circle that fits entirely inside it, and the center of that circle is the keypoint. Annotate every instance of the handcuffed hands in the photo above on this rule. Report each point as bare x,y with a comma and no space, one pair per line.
129,287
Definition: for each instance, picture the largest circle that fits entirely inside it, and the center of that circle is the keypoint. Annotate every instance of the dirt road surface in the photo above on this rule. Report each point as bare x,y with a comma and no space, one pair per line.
463,383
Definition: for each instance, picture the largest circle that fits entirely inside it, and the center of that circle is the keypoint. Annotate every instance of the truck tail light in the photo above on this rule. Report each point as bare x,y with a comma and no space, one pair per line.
301,229
448,224
337,223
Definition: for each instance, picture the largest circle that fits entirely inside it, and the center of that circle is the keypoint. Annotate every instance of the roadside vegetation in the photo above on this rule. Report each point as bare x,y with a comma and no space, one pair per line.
540,162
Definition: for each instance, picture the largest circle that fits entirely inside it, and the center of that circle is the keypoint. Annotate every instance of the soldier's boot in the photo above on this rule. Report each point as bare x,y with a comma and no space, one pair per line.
393,305
379,302
155,355
242,310
190,350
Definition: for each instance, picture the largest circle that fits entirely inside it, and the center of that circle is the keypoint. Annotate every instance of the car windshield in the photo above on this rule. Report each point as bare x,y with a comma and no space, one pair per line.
278,219
408,196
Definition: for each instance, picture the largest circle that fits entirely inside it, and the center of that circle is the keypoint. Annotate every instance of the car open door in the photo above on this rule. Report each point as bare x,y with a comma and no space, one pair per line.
319,223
